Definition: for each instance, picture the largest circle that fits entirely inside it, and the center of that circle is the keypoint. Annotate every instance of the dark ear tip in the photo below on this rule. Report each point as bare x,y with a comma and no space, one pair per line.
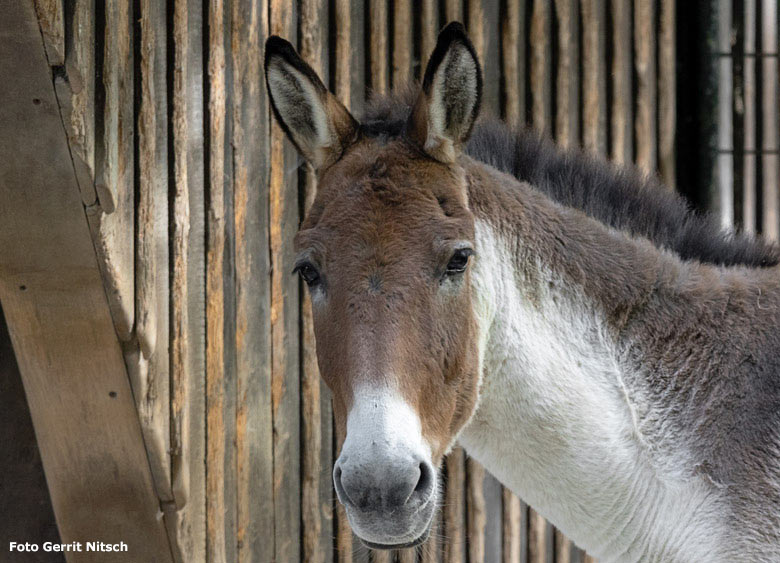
275,45
453,30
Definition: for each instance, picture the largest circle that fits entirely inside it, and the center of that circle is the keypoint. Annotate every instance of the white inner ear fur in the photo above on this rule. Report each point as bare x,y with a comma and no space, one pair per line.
301,108
454,85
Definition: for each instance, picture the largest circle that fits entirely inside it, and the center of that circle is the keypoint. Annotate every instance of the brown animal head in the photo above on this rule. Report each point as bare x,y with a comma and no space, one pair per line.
385,251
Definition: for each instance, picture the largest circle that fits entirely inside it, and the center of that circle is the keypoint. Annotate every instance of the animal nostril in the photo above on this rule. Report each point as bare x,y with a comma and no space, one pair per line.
340,491
425,483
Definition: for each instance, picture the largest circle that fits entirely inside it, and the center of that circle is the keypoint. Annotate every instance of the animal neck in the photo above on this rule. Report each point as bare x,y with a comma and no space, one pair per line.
557,415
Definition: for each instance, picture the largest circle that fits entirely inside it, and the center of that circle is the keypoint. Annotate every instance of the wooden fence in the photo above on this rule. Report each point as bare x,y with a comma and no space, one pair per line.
193,197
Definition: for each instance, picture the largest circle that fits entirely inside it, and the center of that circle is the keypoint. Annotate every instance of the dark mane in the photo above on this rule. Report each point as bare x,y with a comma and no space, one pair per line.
620,197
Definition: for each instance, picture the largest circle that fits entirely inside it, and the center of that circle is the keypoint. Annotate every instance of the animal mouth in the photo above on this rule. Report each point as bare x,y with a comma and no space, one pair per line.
413,543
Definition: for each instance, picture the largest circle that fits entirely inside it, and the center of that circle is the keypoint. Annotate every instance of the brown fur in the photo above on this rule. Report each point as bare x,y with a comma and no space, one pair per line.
381,227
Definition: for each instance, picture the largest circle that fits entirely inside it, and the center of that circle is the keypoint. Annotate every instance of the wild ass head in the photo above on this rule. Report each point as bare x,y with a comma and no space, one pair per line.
385,252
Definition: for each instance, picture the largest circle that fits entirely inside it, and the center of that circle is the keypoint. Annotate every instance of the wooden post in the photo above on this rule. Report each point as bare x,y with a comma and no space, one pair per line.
59,319
667,92
453,11
622,119
770,114
513,61
188,409
749,192
254,422
567,91
316,484
476,510
378,46
454,505
594,117
644,65
512,522
113,228
148,359
541,71
221,484
402,42
428,31
285,364
52,21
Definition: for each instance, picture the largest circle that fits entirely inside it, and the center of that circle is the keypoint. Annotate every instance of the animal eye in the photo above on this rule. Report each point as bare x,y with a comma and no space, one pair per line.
308,273
459,261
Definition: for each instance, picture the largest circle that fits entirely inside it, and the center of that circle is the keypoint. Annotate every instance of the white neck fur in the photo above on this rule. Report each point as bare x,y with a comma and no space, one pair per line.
555,424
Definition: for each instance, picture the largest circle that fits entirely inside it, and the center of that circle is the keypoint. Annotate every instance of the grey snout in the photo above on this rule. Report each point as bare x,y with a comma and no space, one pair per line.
384,485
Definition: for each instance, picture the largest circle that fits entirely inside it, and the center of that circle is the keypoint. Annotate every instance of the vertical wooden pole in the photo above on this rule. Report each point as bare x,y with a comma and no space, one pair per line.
378,46
216,511
594,117
79,110
402,42
113,229
749,195
285,364
770,160
453,10
621,118
148,363
431,550
221,476
512,523
667,93
541,71
644,65
429,28
476,29
725,163
513,61
476,510
51,19
454,506
316,513
537,537
567,100
342,80
254,421
188,291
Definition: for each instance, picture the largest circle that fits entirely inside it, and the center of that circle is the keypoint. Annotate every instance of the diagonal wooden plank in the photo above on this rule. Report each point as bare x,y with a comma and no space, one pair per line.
55,303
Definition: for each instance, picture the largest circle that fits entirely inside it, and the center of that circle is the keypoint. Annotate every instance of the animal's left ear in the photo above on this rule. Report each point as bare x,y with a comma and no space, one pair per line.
447,107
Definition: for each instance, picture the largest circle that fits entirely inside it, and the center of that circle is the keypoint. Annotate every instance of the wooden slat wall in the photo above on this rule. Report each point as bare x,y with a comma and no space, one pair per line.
193,196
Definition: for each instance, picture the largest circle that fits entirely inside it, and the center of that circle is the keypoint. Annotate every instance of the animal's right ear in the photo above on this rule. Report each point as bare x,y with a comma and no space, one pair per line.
314,120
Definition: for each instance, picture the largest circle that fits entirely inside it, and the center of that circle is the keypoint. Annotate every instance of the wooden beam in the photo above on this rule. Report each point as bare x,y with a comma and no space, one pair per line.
667,92
188,392
316,414
378,46
402,42
148,360
285,358
567,91
644,65
454,506
52,22
55,303
594,118
541,69
513,61
221,489
254,423
621,112
476,510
